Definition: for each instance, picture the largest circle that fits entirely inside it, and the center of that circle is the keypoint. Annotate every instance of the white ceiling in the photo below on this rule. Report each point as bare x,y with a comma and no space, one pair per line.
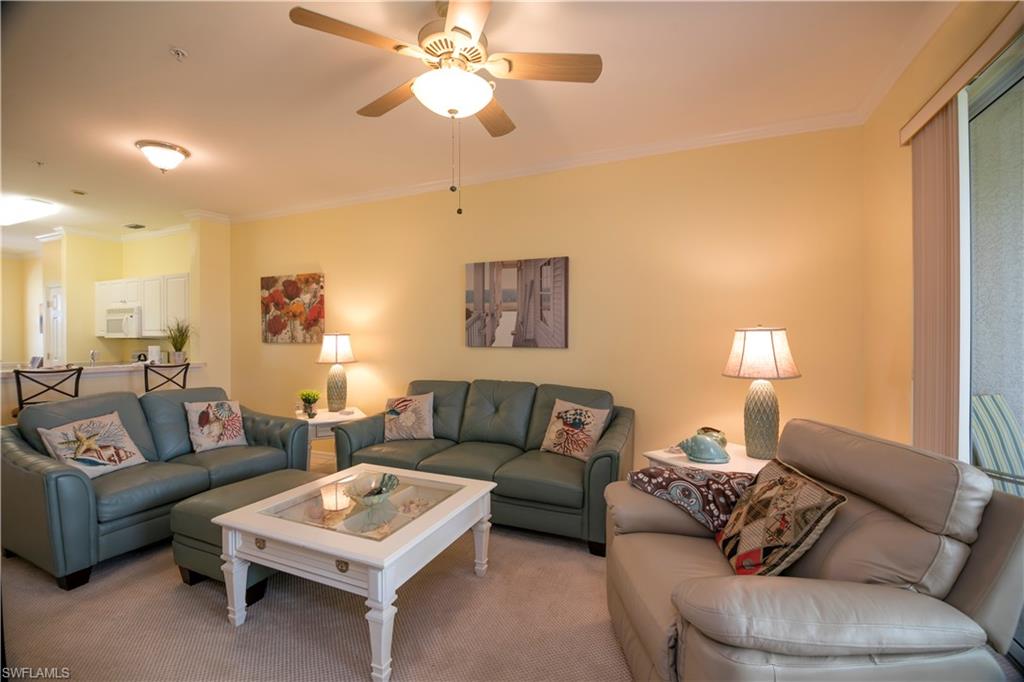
268,108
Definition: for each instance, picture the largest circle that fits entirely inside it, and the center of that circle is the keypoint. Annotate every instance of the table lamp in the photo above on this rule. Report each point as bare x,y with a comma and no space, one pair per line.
761,354
336,349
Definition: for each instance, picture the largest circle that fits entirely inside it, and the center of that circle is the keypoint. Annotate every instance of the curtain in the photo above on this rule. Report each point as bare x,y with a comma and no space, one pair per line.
936,203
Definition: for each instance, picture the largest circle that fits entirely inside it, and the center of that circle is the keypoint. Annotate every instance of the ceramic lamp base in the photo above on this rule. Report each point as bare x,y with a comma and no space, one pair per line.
337,388
761,420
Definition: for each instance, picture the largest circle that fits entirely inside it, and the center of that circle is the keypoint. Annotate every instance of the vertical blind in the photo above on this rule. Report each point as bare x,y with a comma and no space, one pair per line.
936,283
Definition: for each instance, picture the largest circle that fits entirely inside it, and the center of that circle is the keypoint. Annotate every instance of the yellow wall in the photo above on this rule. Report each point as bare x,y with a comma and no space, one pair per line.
12,304
87,260
151,256
53,262
211,301
888,217
667,254
35,296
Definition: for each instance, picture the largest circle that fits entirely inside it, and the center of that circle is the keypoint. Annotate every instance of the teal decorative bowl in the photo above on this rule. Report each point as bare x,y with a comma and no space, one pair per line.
704,449
372,489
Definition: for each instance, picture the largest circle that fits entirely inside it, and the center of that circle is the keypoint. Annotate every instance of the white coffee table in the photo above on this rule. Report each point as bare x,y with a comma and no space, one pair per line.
359,550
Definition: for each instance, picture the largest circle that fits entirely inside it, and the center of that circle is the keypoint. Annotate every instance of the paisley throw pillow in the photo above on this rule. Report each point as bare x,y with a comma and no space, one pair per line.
97,445
215,424
410,417
574,429
707,495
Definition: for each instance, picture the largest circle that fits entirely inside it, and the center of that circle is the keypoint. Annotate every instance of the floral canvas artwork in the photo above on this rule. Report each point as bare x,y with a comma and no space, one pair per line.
292,308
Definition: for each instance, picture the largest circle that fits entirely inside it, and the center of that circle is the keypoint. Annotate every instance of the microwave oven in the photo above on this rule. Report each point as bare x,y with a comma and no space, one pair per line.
123,323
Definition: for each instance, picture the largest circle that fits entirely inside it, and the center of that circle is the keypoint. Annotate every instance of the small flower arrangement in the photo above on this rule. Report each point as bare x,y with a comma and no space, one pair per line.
309,399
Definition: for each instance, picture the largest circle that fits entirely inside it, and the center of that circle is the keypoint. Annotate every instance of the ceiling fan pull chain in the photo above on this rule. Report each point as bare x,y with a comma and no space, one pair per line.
459,211
452,186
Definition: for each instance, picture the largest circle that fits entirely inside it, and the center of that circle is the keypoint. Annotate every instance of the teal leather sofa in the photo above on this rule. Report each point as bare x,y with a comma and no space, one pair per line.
493,430
56,517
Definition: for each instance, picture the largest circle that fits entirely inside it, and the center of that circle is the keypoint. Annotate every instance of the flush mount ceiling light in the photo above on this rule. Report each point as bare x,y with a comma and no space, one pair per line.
163,155
15,209
453,91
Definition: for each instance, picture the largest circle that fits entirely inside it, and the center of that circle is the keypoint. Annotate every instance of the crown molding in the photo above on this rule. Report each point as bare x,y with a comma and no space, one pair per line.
202,214
156,234
54,236
808,125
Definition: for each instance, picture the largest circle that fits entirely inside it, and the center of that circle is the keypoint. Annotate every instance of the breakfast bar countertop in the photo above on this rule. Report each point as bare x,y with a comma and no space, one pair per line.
6,373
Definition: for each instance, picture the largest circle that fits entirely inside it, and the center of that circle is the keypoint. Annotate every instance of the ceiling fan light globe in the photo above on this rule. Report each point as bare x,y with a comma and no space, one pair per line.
452,92
163,155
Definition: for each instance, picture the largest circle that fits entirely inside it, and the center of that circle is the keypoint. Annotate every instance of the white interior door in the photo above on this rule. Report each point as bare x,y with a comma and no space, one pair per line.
54,331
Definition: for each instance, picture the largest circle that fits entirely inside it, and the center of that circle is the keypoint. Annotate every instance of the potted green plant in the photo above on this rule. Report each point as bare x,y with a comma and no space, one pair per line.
309,399
178,334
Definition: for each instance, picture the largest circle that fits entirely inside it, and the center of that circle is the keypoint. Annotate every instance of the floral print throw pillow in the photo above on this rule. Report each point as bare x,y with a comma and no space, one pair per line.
410,417
574,430
215,424
97,445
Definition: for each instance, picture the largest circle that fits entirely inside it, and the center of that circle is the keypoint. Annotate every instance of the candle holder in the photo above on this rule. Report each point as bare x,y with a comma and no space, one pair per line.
334,498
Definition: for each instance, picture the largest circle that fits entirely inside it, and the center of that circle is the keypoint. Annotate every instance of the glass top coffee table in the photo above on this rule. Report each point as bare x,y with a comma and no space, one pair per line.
366,549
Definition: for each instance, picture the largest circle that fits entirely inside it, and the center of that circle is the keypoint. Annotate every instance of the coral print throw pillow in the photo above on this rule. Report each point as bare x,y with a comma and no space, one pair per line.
410,417
574,430
97,445
215,424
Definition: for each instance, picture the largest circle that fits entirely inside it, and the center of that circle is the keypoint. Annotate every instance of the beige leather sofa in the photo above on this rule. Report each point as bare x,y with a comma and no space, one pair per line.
917,571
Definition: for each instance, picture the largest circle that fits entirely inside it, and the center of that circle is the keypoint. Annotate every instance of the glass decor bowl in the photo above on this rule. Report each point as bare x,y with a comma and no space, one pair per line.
372,489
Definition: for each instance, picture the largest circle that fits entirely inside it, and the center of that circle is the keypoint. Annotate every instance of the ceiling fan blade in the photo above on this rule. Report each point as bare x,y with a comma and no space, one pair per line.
467,17
495,120
388,101
319,22
542,66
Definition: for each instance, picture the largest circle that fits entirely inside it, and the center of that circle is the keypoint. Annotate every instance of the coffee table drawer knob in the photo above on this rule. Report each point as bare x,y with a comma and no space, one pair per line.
261,543
341,565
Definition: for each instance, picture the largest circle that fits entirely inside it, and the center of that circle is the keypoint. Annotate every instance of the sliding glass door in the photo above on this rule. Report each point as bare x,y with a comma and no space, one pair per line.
992,271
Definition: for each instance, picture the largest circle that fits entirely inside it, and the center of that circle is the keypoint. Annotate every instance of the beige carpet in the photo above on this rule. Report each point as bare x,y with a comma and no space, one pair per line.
538,614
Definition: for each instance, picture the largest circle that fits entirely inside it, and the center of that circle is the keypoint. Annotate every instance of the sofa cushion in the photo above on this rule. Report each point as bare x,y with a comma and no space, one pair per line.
472,460
50,415
644,569
542,477
948,496
145,486
498,412
165,412
449,404
404,454
544,404
236,462
193,517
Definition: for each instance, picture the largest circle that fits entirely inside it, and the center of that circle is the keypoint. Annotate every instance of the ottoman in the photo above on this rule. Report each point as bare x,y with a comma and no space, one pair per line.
197,540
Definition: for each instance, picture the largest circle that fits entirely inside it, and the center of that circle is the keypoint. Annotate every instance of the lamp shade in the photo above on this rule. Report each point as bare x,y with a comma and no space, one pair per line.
761,353
336,348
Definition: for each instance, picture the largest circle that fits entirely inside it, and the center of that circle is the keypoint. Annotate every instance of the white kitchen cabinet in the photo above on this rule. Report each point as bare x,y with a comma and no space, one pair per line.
163,300
104,300
175,299
152,295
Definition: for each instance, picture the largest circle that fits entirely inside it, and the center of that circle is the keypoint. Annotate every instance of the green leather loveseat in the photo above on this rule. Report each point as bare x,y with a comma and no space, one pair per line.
56,517
493,430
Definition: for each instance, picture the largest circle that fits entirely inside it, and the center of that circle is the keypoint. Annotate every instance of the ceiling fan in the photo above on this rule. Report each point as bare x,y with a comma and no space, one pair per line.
455,49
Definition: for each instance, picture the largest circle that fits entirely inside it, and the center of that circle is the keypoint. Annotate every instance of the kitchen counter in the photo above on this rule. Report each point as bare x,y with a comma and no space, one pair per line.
6,373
